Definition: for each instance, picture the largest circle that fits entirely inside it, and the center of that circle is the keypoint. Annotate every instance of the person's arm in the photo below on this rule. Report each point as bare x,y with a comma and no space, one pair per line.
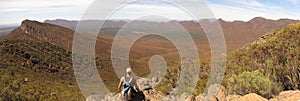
120,85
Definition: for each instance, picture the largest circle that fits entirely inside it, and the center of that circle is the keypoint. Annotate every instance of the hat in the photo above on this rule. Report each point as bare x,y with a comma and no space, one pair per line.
128,70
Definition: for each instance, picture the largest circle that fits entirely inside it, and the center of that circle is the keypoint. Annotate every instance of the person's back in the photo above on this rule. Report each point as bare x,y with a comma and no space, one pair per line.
128,85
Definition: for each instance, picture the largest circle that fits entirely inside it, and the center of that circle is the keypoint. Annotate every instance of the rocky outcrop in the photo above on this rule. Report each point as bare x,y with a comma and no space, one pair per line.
232,97
37,31
221,96
146,85
251,97
287,96
108,97
153,95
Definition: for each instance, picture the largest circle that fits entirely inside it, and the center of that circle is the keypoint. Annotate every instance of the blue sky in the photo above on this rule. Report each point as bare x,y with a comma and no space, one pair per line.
14,11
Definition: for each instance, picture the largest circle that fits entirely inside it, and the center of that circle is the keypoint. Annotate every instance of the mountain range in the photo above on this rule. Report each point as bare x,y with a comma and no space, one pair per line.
233,31
36,58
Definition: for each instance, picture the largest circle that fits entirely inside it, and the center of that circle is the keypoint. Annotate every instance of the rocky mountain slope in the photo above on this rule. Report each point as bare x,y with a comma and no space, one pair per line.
31,70
36,31
266,67
36,65
63,37
276,55
36,71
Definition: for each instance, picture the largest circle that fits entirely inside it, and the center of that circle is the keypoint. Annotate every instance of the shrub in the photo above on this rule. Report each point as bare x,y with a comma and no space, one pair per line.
252,82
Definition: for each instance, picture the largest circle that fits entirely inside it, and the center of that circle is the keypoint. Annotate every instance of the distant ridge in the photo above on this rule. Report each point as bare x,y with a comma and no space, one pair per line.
63,37
72,24
234,31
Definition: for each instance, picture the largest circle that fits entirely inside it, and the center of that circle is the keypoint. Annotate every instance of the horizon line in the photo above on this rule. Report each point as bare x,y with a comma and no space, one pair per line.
17,24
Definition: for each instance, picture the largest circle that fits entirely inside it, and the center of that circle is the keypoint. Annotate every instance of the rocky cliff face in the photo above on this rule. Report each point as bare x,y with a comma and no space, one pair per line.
33,30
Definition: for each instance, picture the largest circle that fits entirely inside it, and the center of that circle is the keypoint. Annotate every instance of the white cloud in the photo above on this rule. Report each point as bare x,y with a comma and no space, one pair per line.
249,3
136,11
41,4
14,11
237,13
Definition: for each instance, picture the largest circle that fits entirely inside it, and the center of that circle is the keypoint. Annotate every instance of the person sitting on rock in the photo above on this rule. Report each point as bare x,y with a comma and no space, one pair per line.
128,85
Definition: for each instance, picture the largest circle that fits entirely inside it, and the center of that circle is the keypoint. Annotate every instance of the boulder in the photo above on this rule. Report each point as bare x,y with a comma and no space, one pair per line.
287,96
183,97
198,98
252,97
108,97
190,98
232,98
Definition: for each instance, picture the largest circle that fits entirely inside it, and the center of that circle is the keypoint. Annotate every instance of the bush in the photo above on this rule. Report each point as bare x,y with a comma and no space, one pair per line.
252,82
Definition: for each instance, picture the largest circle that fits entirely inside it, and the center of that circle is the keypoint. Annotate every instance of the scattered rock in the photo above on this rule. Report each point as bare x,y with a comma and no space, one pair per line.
35,61
145,84
108,97
147,87
53,94
183,97
28,62
114,97
153,95
22,64
53,70
27,55
26,79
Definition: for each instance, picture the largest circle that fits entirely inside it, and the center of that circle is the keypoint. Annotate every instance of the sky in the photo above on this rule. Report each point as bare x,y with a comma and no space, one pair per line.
15,11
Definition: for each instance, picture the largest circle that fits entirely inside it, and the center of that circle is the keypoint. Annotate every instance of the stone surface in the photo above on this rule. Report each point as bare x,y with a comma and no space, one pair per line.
232,98
252,97
287,96
108,97
26,79
215,93
198,98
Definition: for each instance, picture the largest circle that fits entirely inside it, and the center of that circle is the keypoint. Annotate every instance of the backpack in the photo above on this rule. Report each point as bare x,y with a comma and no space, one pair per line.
126,86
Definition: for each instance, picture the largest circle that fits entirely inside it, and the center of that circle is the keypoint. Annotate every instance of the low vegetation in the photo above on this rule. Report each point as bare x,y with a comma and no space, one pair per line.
252,82
36,71
276,55
272,62
32,70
